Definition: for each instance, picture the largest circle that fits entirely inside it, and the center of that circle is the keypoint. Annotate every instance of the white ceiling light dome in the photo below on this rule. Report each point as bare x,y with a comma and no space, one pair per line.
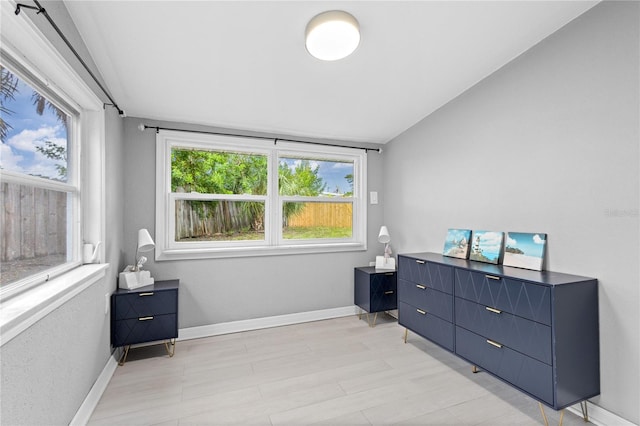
332,35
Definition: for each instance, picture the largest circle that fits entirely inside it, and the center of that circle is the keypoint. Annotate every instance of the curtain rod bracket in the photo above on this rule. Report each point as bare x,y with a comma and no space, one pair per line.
19,7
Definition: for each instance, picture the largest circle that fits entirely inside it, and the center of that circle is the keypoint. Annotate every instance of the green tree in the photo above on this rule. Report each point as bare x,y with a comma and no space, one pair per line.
302,180
8,88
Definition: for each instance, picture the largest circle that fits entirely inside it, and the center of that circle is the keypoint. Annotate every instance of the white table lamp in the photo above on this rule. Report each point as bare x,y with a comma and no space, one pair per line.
133,277
386,261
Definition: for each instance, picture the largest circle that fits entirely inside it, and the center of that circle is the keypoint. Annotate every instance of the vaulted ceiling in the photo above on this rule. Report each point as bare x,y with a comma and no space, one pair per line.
243,65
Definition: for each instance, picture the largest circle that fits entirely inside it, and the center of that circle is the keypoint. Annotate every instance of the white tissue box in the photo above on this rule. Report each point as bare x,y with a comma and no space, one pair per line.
131,280
385,262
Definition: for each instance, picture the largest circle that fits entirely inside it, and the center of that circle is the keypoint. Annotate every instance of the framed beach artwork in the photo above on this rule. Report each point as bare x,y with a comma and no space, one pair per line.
486,246
525,250
457,243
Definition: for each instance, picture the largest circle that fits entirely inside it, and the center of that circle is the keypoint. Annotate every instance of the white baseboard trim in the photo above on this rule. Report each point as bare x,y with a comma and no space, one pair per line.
266,322
93,397
599,416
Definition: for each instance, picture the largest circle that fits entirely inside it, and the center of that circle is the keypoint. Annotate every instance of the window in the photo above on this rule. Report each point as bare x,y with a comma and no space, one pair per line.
222,196
39,185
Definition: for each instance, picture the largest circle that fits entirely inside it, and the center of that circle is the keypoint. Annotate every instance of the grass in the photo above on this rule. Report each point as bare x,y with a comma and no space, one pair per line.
288,233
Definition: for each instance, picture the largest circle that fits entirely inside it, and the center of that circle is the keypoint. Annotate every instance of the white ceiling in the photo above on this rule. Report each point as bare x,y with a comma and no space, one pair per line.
243,65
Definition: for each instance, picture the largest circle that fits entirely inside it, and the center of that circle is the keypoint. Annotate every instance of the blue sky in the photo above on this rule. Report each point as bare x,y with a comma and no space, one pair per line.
530,244
332,173
18,152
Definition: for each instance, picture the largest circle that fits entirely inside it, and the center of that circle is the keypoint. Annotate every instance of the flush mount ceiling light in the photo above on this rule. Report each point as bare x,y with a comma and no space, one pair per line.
332,35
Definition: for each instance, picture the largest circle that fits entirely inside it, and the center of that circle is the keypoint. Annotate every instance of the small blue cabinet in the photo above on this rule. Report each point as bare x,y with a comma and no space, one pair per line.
375,290
145,314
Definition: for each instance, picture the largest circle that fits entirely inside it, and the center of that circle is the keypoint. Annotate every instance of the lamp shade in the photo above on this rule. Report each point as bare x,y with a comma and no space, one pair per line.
332,35
145,242
383,236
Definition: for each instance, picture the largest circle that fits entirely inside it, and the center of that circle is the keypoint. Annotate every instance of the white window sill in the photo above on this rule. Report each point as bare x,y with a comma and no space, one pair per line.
23,310
228,252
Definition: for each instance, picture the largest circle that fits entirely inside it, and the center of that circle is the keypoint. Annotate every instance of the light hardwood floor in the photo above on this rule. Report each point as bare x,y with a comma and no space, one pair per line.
333,372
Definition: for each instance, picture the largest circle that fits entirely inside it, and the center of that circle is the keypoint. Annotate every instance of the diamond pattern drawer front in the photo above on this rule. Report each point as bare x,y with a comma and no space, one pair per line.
427,325
135,305
433,275
430,300
525,336
145,329
375,291
528,374
517,297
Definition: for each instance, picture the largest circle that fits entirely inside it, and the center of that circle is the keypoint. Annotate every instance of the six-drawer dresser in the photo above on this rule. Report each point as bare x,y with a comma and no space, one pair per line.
536,330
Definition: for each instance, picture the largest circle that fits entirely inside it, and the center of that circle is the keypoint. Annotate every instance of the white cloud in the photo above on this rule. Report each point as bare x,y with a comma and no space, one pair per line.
537,239
492,241
9,160
338,165
20,153
511,241
28,139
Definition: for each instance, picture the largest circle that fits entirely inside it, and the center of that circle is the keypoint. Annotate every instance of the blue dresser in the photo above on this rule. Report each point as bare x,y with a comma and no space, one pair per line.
537,331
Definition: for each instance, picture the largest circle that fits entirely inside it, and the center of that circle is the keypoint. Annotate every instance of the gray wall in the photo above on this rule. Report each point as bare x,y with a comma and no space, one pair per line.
221,290
549,143
48,370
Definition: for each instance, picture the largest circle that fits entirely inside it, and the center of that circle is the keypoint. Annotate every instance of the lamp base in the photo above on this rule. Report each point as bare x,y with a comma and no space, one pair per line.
385,262
131,280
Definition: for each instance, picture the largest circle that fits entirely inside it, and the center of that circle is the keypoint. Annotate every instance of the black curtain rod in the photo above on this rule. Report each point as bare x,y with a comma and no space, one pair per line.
143,127
42,10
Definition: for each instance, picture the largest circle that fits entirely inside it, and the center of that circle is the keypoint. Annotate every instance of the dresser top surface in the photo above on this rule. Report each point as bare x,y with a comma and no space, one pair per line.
543,277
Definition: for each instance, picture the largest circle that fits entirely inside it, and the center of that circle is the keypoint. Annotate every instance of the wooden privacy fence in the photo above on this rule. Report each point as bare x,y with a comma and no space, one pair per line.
203,219
206,219
34,222
333,215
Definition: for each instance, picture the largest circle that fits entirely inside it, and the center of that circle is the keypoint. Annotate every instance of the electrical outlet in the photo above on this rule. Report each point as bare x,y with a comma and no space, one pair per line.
107,299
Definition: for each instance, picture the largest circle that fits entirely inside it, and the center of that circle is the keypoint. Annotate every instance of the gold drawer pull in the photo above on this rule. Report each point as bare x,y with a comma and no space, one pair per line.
492,343
492,277
420,311
146,294
422,262
388,292
420,286
389,274
495,311
145,318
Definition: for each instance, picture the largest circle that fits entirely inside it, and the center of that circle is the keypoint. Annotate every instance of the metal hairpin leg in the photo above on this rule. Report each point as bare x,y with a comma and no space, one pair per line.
585,412
544,416
123,358
375,317
171,351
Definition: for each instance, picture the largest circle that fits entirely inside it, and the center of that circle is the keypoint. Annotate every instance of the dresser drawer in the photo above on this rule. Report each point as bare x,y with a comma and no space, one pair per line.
145,329
429,300
143,304
526,373
521,298
432,275
528,337
425,324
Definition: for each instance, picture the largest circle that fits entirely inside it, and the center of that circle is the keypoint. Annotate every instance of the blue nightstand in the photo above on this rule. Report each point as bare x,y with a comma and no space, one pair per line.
374,291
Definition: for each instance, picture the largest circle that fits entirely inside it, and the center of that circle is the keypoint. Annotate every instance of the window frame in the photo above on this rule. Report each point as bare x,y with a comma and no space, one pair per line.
273,243
27,53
